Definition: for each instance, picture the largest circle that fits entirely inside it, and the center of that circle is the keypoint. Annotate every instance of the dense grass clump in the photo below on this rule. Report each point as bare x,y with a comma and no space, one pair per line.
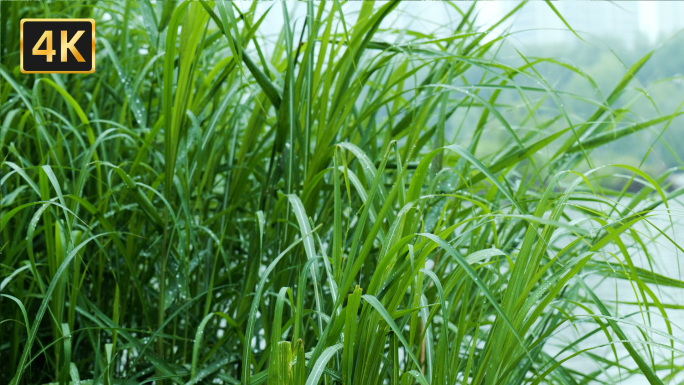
347,201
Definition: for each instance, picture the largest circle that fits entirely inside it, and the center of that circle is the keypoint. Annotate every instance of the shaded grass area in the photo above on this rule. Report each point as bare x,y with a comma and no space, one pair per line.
215,207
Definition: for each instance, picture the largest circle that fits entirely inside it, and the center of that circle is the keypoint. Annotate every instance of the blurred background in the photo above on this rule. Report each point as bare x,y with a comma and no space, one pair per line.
603,41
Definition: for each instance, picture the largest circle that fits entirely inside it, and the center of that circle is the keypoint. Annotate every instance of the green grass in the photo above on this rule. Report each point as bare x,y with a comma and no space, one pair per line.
343,203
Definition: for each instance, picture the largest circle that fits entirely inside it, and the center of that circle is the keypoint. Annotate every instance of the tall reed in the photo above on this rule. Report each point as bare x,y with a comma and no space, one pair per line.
349,201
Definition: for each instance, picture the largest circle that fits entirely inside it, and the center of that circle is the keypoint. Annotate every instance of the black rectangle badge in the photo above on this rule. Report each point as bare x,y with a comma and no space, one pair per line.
57,46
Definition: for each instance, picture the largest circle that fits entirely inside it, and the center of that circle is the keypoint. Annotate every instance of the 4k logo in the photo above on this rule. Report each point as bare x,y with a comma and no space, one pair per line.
57,46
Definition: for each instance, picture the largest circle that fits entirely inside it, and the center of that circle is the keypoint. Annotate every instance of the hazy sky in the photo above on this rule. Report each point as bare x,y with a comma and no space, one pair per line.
650,19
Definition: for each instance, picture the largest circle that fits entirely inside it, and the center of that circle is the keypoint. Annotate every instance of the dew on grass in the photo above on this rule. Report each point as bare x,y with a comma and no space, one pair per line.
214,243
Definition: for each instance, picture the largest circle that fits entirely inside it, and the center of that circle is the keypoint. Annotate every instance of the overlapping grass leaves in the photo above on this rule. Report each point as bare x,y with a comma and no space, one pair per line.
315,206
